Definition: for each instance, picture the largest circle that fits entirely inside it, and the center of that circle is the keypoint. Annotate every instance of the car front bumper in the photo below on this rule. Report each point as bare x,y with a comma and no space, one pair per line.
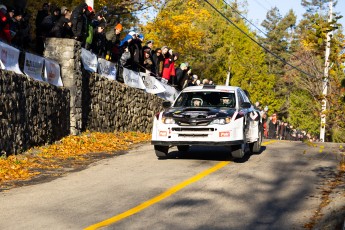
197,143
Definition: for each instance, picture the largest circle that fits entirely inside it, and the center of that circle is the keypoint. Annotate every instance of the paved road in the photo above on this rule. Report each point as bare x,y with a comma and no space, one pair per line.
203,189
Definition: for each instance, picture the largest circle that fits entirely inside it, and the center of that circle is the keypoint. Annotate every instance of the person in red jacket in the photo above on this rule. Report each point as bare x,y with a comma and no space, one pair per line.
5,34
169,65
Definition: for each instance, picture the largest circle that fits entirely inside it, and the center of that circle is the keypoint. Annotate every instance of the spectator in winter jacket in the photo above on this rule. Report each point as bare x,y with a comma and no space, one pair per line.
63,27
273,127
169,66
16,28
99,19
147,62
181,73
126,40
158,61
113,38
5,20
136,50
49,22
41,14
99,41
80,23
90,29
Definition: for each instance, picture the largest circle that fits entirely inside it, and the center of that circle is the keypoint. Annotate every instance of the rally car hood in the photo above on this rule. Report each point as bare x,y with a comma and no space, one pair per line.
198,116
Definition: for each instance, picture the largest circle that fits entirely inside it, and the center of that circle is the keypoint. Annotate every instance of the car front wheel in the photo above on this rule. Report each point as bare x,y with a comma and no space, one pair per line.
161,151
238,151
255,147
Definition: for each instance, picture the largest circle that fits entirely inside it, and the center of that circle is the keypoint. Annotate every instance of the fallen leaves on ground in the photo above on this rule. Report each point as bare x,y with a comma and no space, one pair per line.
25,166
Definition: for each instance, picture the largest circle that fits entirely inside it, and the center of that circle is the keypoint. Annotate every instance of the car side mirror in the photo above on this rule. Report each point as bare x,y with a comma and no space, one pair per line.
166,104
246,105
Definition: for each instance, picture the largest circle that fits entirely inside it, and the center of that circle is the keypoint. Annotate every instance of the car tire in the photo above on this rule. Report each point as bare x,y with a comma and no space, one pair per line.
238,151
161,151
183,148
255,147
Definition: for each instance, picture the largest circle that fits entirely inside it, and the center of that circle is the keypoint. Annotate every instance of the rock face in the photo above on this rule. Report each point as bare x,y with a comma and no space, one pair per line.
34,113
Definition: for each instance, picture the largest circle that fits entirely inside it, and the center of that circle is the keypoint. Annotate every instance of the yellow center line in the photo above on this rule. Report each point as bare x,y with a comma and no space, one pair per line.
268,142
162,196
158,198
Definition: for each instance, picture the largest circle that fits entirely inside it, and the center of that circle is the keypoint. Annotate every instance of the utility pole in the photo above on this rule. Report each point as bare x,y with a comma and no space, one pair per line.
325,78
227,82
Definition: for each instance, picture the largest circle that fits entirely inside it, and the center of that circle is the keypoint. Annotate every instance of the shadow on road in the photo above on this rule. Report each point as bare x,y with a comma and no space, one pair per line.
210,153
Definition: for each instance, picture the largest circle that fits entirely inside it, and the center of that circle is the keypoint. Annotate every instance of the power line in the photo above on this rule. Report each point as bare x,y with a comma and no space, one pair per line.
243,17
252,39
259,3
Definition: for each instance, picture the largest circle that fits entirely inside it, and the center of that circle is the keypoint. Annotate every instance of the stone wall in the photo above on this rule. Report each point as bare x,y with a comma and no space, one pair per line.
113,106
32,113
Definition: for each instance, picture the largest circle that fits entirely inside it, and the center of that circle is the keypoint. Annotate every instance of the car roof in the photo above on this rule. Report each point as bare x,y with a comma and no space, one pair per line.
207,88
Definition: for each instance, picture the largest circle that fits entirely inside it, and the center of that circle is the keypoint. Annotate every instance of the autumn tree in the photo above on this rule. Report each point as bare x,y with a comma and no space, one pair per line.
312,32
214,43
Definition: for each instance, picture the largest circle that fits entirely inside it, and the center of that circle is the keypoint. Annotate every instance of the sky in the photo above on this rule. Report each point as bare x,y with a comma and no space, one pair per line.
257,9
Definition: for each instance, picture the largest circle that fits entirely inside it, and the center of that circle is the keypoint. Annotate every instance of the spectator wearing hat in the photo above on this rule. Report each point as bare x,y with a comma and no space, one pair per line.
113,38
49,22
16,29
136,50
26,29
99,41
63,27
80,23
41,14
5,34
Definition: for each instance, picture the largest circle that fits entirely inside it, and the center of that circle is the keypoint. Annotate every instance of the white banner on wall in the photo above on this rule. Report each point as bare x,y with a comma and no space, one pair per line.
89,60
169,94
106,69
9,57
52,72
152,84
33,66
133,79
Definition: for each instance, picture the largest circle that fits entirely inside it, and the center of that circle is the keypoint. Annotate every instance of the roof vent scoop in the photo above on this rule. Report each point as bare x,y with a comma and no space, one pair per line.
209,87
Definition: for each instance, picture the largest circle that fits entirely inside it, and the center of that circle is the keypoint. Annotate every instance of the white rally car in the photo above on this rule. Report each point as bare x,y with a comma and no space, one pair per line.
208,115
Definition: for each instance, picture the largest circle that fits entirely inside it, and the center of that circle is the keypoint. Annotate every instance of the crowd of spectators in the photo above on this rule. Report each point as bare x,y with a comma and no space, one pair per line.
89,27
126,51
281,130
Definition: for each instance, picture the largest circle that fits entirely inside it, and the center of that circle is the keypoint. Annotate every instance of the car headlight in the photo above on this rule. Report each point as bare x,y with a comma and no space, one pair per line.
221,121
168,120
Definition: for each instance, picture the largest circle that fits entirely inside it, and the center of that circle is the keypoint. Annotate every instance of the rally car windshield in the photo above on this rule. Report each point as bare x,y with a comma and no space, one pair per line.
206,99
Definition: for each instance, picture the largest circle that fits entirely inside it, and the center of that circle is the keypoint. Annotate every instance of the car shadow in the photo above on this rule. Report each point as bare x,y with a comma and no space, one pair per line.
210,153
